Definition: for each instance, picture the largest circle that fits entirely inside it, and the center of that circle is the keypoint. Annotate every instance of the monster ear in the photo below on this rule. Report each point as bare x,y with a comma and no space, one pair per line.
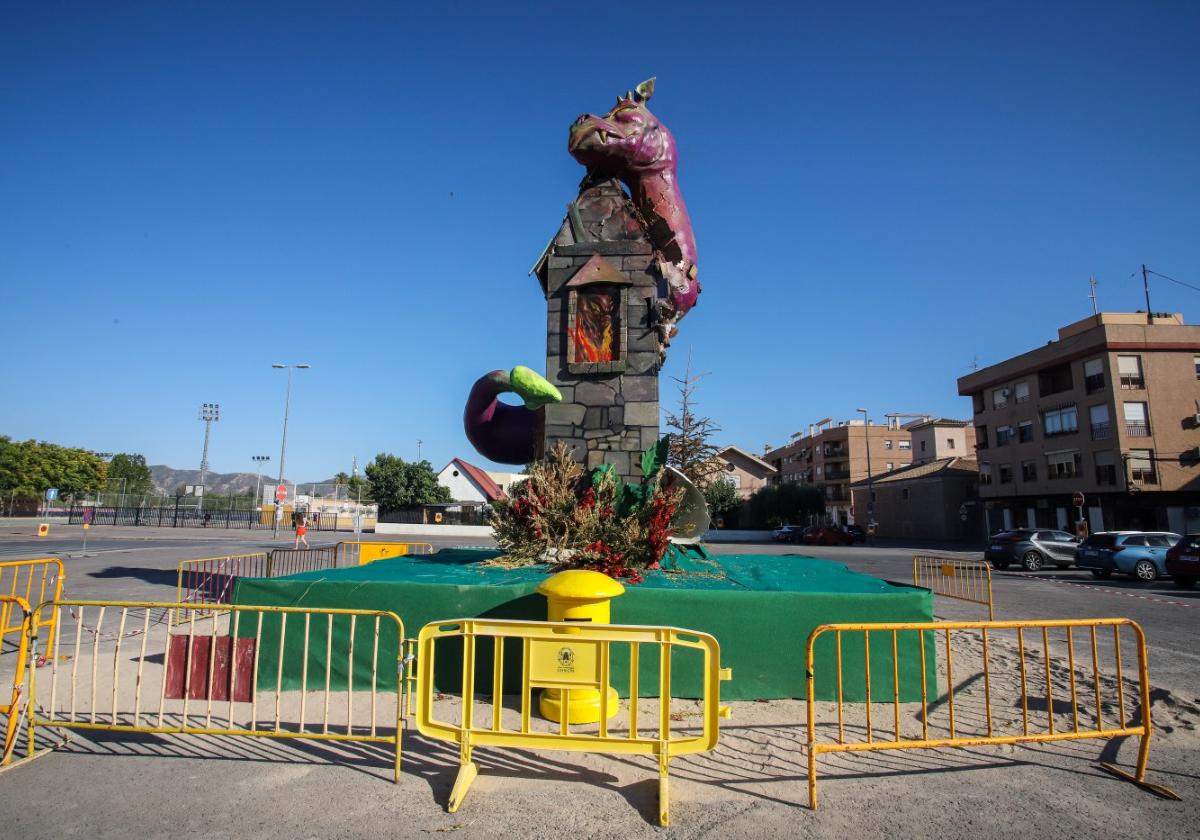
646,89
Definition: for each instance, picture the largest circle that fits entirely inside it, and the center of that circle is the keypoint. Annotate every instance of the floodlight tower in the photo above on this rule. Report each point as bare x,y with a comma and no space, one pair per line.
260,461
209,413
287,405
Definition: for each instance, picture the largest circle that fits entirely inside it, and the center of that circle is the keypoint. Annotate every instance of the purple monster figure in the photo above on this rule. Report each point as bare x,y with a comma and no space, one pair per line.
630,143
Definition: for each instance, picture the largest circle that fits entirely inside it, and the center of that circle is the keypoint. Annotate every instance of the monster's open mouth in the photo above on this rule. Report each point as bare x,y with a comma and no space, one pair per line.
590,134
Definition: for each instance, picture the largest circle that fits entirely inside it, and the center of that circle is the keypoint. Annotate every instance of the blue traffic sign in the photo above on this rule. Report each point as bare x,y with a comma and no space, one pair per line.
51,494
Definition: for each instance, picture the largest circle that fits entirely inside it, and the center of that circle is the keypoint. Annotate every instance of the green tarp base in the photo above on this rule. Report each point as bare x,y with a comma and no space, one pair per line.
760,608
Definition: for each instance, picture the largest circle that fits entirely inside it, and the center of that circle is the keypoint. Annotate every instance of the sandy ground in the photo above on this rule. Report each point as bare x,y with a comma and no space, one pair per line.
754,784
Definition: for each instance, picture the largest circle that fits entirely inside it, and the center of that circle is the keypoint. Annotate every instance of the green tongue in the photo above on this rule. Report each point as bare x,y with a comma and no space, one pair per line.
533,388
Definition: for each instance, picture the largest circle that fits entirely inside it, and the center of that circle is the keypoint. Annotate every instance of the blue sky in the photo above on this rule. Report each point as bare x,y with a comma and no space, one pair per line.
881,193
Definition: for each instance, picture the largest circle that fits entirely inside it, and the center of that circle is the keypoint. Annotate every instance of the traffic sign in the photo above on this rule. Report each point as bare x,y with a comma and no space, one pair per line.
1078,499
281,492
51,494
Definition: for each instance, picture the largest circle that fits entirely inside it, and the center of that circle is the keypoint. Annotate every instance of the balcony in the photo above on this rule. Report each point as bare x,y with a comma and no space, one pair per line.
1137,429
836,452
1133,382
836,495
836,475
1101,431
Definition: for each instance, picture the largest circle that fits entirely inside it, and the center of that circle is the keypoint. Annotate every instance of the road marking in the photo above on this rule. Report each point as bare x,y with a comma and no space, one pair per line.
1107,590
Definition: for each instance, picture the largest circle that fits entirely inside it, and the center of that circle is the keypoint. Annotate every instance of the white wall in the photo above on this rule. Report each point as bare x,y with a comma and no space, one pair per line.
461,488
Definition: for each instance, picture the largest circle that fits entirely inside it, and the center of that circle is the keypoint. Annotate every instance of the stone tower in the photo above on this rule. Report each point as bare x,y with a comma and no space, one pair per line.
602,349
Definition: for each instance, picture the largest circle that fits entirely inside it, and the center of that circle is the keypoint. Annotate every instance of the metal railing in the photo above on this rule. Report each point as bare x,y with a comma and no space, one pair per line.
32,581
999,657
178,516
258,671
954,577
566,657
10,712
359,553
210,580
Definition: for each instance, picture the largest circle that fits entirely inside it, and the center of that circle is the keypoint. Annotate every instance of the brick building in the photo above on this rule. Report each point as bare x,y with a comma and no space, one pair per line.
1111,409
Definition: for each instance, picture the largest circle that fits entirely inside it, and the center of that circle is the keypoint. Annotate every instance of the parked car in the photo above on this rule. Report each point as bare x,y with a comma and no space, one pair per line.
826,535
788,533
856,533
1140,554
1033,548
1183,561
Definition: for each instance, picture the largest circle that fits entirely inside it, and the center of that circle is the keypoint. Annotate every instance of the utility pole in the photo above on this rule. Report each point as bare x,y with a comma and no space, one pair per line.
287,405
419,442
1093,283
259,462
1146,289
209,413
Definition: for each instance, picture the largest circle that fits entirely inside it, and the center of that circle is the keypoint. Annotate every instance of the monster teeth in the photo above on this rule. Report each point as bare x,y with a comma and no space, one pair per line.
603,135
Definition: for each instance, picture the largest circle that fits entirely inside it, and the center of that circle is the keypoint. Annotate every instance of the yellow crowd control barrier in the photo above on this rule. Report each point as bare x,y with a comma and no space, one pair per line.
261,671
360,553
32,581
993,661
954,577
568,657
10,712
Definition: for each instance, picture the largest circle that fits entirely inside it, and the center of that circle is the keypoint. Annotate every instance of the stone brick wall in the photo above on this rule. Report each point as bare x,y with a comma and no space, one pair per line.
605,417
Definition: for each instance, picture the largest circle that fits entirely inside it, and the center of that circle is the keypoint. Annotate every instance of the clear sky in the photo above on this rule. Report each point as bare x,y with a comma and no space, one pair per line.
190,192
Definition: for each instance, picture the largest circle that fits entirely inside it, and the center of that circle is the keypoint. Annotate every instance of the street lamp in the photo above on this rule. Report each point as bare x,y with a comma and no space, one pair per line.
209,413
259,462
283,447
870,484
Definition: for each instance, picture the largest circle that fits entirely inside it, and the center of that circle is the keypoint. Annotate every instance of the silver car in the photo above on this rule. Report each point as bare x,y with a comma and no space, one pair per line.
1033,548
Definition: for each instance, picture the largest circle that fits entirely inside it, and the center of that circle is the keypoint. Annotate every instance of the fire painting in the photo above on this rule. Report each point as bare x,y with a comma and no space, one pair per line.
596,326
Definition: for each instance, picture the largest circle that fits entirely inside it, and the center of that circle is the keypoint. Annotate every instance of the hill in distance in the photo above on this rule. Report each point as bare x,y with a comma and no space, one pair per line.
167,480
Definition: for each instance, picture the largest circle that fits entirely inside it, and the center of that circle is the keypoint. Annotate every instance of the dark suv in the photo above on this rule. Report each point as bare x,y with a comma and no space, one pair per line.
1183,561
1033,548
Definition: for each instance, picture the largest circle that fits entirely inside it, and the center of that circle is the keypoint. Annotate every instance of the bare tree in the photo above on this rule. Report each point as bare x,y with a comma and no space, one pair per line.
691,452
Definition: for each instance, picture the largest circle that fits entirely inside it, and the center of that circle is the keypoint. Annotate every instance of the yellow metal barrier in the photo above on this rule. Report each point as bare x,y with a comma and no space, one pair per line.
360,553
11,711
33,581
569,657
954,577
270,672
962,715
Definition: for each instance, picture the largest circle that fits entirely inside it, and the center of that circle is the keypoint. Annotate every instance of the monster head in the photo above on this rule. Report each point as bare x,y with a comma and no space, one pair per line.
626,142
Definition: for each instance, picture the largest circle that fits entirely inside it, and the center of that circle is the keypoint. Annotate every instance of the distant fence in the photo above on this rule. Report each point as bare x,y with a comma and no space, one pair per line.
210,580
177,516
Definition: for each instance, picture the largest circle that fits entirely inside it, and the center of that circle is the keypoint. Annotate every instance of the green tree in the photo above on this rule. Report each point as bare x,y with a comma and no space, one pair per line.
396,483
356,486
785,503
133,469
29,468
721,496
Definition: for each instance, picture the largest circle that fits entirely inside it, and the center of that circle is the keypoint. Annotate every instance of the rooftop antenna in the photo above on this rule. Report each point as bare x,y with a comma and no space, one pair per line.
975,362
1146,287
1093,283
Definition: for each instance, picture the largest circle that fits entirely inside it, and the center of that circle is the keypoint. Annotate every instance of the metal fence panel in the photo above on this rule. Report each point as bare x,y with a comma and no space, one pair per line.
954,577
10,712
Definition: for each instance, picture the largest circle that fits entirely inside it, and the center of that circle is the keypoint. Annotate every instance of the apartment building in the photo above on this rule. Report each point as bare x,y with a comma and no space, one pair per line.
744,471
1111,409
833,455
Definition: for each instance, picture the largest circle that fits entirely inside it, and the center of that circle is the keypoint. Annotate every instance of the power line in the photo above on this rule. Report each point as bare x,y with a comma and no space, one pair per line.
1172,279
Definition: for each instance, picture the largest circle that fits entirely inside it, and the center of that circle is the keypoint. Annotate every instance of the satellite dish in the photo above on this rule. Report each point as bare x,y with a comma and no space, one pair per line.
691,518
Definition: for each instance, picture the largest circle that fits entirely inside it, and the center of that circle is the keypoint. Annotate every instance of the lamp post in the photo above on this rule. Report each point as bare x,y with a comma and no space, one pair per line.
870,484
287,405
209,413
259,462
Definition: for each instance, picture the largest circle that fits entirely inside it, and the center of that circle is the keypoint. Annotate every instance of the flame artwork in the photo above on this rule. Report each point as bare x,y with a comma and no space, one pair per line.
595,327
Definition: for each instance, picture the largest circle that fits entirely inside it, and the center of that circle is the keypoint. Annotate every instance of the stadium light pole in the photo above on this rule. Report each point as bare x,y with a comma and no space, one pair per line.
209,412
287,405
259,462
870,481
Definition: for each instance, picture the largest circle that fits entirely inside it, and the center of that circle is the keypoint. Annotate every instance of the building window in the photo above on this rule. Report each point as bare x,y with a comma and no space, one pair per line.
1022,389
1054,380
1060,421
1141,466
1196,364
906,444
1025,431
985,473
1093,375
1006,474
1130,370
887,444
1106,468
1000,398
977,401
1029,470
1137,420
922,446
1098,419
1061,465
1004,435
981,441
949,443
890,466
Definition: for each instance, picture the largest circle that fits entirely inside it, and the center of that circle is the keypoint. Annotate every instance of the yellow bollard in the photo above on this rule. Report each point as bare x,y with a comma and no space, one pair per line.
583,596
43,529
